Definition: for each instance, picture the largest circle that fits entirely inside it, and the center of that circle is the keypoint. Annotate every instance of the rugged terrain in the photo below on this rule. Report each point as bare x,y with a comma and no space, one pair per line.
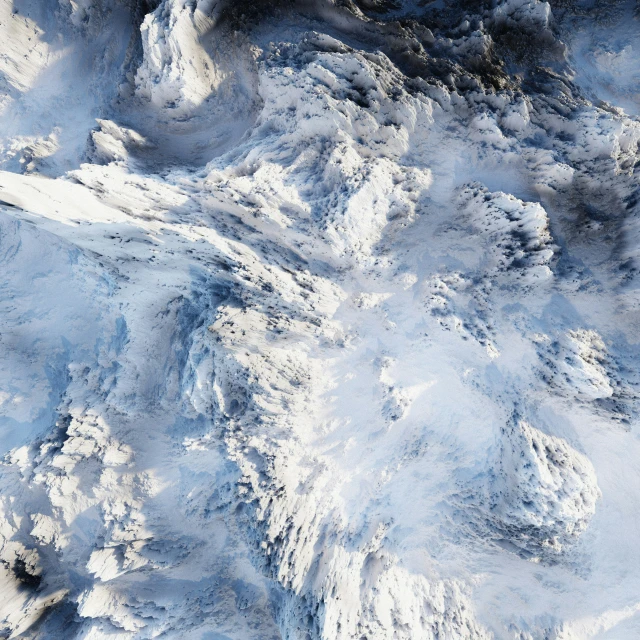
319,320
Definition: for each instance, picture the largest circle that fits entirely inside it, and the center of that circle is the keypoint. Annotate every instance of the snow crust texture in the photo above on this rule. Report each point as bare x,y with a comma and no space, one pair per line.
319,319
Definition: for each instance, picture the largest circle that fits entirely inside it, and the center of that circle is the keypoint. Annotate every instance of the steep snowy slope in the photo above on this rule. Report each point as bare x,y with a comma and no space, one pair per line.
319,320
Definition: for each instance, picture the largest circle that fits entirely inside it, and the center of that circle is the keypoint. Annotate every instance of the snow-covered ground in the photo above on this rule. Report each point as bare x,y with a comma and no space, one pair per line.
319,320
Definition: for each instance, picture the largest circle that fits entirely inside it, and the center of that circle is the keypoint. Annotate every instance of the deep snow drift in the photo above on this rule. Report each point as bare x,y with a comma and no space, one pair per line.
319,320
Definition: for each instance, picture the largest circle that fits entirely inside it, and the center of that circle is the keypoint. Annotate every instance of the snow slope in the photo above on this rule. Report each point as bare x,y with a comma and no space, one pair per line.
319,320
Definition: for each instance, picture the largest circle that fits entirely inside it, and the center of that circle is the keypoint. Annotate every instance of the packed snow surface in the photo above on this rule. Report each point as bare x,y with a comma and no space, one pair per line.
319,320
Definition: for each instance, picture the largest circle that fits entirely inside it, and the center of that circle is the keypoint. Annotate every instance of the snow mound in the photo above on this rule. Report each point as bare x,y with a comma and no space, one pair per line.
517,232
543,495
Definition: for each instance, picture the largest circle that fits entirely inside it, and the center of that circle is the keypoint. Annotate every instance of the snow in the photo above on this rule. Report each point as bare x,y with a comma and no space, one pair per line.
299,342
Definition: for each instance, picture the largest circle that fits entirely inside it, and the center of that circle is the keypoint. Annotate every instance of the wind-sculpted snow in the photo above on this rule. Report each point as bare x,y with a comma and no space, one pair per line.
319,320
